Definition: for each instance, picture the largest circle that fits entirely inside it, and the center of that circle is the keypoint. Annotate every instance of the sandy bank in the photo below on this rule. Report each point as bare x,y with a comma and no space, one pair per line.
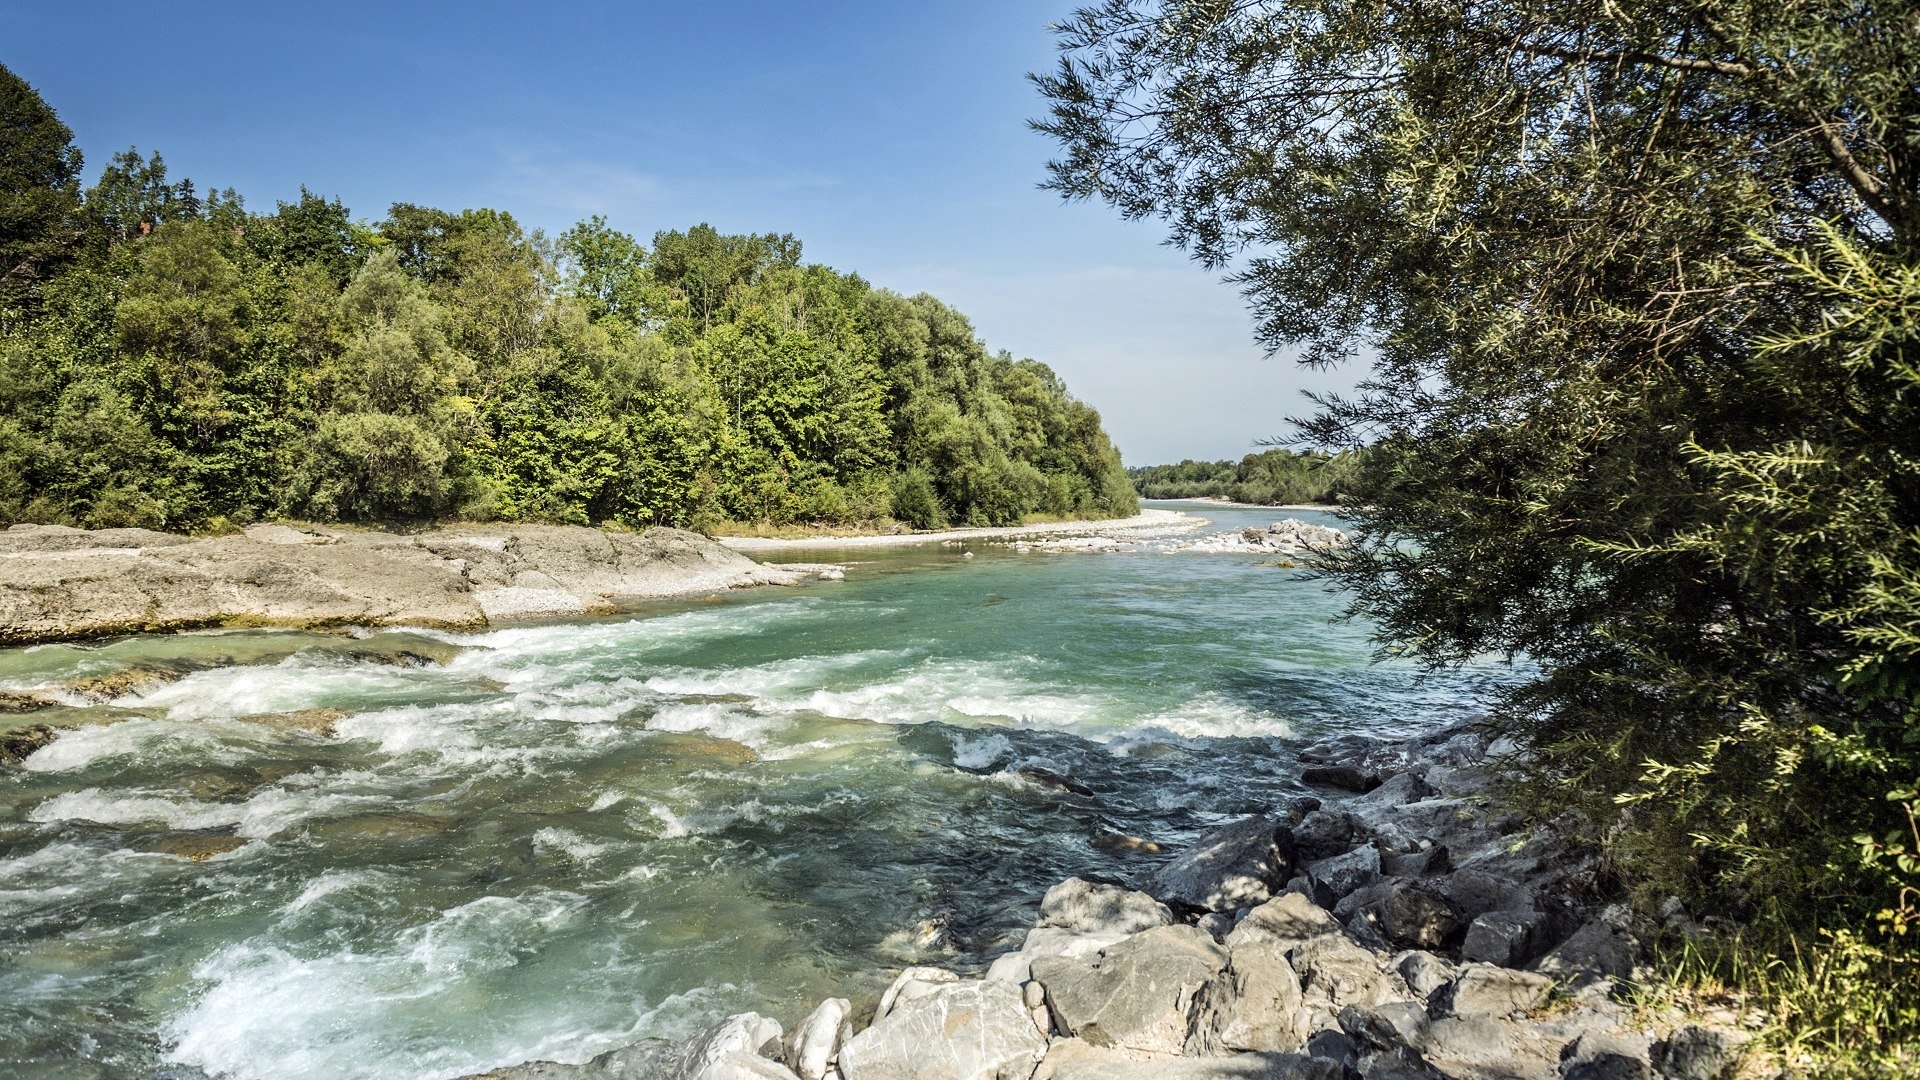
58,582
1145,520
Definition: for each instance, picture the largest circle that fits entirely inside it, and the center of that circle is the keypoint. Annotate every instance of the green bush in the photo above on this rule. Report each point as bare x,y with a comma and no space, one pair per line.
370,466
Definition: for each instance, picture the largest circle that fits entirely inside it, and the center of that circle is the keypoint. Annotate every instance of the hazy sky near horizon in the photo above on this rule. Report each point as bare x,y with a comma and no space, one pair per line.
890,138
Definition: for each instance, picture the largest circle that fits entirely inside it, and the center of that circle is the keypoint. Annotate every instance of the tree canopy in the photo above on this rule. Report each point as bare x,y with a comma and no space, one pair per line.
1637,283
176,360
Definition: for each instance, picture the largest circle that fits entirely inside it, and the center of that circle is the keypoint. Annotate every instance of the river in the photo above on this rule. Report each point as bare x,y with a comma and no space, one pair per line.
555,843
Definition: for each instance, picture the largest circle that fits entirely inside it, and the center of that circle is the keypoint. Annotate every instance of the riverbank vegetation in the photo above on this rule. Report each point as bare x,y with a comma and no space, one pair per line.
1642,289
1273,477
171,358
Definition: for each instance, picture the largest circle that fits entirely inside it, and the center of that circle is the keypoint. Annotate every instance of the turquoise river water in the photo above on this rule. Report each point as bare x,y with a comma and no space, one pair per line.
574,835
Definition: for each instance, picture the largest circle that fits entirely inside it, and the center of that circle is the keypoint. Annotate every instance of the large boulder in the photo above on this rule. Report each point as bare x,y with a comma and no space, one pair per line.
960,1031
1600,951
1252,1004
1335,973
1088,907
1236,865
1332,879
1135,995
1016,967
1285,922
1324,833
914,982
1485,990
1409,915
1506,938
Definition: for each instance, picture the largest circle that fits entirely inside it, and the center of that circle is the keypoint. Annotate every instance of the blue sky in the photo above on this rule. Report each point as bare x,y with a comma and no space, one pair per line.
889,137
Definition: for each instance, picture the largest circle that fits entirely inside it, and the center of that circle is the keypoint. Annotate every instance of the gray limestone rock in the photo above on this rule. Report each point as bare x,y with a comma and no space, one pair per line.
1697,1052
1252,1004
815,1040
1016,967
1413,915
1598,1055
960,1031
1237,1067
1235,865
912,983
748,1034
1423,972
1134,995
1485,990
1603,949
1332,879
1090,908
1284,922
1336,973
1392,1025
1506,938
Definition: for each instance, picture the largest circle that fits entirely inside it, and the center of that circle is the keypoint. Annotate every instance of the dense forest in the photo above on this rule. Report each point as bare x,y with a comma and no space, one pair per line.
173,359
1637,286
1274,477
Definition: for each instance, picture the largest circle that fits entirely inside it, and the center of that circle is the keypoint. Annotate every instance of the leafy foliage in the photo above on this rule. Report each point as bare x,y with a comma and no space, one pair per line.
172,360
1274,477
1638,285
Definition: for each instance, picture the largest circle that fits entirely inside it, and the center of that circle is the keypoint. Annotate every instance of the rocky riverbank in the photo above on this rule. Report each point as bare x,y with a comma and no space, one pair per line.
60,583
1395,925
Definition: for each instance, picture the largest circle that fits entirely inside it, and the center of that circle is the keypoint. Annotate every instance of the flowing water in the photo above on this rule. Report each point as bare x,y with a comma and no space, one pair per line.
574,835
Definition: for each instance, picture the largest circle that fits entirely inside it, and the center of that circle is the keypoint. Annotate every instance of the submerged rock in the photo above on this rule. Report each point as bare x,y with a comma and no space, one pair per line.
16,743
379,827
1122,844
1051,779
319,722
192,846
136,679
19,701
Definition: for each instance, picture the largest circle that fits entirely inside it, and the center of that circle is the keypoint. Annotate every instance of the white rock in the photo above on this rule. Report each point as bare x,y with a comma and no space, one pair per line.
748,1034
817,1038
960,1031
912,983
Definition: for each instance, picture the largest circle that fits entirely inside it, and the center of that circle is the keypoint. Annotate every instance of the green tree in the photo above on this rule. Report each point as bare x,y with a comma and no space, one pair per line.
39,190
1639,282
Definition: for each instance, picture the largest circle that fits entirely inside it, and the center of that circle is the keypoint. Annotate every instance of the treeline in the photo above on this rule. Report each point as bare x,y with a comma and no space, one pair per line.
1273,477
175,360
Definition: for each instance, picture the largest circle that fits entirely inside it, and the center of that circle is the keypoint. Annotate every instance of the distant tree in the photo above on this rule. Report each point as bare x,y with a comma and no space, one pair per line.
132,198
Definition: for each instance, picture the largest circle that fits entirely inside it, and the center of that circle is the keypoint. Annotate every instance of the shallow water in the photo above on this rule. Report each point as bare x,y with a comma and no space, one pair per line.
556,843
